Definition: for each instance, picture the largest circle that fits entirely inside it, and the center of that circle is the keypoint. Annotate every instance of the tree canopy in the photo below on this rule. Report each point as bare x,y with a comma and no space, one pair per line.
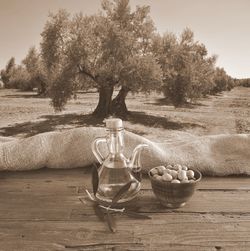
188,70
109,50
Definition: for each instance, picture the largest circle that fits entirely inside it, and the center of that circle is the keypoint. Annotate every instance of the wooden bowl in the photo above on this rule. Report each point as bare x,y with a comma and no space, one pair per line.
174,195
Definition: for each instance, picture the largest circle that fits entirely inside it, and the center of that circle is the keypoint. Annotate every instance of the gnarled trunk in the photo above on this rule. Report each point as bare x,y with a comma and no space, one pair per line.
119,107
42,89
104,108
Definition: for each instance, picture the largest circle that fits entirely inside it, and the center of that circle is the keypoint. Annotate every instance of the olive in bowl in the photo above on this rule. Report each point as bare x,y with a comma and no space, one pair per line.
174,185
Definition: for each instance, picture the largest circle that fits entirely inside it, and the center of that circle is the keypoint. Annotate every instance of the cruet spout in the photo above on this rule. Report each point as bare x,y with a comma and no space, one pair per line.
134,161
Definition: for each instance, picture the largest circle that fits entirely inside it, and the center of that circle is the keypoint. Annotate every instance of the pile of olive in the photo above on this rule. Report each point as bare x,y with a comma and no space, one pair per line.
173,173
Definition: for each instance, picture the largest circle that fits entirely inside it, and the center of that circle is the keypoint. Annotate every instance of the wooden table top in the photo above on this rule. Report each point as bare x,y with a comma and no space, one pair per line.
41,210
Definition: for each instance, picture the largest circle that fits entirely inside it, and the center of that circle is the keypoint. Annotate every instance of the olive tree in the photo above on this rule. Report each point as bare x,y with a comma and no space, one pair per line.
222,81
53,46
20,79
7,72
34,67
188,71
107,51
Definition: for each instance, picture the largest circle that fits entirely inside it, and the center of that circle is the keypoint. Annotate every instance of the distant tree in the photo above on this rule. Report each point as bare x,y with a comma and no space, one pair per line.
35,69
222,81
54,58
106,51
20,79
244,82
31,61
7,72
188,71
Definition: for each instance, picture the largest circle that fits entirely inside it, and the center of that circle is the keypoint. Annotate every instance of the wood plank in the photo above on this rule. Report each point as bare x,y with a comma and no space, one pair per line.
173,230
45,181
41,210
41,207
225,183
216,183
72,186
221,202
82,175
22,199
45,173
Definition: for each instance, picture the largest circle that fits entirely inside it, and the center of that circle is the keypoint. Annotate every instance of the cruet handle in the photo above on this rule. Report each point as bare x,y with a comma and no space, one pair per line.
95,149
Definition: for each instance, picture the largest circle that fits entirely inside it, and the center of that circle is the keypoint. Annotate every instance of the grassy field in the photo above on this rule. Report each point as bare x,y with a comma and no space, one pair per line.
24,114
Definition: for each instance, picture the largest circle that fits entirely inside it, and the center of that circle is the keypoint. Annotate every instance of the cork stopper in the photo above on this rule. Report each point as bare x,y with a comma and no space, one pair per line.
114,124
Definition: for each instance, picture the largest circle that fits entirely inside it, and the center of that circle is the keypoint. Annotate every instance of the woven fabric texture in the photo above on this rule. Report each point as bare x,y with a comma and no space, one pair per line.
218,155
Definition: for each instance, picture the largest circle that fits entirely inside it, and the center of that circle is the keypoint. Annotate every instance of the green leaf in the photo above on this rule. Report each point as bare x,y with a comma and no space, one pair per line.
111,222
121,193
95,178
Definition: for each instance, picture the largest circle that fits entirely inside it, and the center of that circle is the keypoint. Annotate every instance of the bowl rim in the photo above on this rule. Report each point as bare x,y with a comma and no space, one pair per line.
161,181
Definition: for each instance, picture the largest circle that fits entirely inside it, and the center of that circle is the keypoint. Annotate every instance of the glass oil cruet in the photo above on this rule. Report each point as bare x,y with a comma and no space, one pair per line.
116,170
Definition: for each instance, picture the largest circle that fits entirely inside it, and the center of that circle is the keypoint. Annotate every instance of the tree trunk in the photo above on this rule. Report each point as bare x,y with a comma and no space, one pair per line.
119,107
103,108
42,88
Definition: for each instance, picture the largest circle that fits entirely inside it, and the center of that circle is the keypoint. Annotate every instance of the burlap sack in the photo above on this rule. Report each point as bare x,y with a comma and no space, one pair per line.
212,155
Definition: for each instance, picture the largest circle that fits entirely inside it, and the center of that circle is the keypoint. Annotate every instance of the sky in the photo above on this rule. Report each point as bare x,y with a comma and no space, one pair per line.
222,25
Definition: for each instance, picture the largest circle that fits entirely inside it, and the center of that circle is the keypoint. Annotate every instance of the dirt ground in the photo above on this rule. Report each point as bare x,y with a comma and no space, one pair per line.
23,114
